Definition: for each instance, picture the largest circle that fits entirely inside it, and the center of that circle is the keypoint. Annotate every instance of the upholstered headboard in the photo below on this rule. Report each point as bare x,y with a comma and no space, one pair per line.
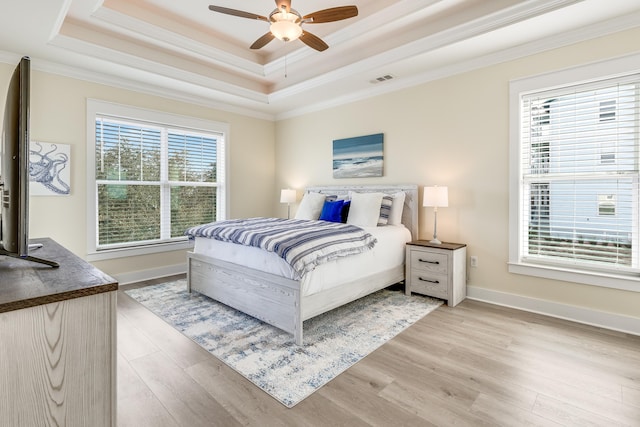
409,213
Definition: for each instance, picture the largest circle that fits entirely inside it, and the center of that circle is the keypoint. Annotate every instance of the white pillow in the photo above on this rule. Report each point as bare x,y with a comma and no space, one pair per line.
395,216
365,209
311,206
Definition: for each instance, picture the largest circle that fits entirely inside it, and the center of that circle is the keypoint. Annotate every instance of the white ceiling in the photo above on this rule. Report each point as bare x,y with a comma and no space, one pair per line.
182,50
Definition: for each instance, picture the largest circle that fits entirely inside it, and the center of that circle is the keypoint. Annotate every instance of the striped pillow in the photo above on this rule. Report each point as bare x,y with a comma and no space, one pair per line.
385,210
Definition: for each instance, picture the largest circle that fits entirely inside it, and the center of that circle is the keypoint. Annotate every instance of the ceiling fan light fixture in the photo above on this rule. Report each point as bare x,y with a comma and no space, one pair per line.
285,25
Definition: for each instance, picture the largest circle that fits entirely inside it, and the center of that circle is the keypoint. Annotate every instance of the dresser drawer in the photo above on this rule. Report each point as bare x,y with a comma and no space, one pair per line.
429,262
429,284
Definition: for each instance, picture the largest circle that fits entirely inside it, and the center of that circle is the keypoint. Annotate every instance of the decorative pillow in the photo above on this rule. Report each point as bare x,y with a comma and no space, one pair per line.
332,211
345,211
385,209
395,215
310,206
365,209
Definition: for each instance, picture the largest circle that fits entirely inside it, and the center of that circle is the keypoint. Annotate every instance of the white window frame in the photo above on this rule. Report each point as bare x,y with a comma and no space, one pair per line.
97,107
616,67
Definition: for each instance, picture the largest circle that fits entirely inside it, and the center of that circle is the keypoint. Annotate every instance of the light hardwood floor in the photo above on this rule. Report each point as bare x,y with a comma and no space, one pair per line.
474,364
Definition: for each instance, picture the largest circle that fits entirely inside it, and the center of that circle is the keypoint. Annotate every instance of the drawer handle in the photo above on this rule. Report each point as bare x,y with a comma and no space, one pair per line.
428,280
429,262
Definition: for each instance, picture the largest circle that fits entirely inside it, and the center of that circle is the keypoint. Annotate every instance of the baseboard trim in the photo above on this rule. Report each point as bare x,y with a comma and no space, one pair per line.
154,273
601,319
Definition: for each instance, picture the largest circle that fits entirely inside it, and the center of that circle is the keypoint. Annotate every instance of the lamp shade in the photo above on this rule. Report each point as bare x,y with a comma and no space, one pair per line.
436,196
287,196
285,27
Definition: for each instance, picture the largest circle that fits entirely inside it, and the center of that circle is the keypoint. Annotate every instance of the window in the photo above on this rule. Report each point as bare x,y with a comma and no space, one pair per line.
606,204
607,158
575,171
608,110
152,176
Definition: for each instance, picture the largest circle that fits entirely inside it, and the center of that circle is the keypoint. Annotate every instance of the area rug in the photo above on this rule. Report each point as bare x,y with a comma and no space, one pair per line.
267,356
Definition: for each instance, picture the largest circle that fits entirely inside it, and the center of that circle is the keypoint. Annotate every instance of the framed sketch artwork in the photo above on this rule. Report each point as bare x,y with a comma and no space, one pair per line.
49,169
358,157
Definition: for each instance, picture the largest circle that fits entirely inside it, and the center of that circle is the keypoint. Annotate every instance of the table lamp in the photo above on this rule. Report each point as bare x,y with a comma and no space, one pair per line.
288,196
438,197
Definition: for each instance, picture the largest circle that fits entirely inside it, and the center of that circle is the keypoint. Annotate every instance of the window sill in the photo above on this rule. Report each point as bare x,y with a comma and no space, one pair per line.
139,250
606,280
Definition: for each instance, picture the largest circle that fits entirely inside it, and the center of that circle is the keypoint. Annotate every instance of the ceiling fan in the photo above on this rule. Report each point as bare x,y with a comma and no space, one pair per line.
286,23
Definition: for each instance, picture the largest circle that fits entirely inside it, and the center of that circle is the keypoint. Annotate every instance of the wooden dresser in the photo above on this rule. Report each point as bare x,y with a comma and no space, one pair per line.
57,341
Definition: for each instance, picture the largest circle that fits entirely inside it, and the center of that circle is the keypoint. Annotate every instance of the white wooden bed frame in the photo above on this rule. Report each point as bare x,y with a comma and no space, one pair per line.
277,300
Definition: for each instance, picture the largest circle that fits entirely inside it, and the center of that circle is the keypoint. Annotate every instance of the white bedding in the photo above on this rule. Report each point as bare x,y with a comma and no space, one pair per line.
389,252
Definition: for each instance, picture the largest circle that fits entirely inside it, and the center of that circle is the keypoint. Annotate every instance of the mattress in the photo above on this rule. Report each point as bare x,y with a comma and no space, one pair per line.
388,253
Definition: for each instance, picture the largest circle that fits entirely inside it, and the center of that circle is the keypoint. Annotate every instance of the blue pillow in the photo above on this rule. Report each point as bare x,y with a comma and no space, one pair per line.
345,210
332,211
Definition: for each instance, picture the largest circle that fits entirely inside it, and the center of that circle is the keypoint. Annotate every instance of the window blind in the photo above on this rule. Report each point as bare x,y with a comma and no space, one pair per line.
579,175
192,159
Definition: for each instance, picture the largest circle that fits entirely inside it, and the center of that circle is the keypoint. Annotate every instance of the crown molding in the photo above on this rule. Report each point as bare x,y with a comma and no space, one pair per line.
218,101
146,76
140,63
176,42
10,57
425,45
60,17
384,22
593,31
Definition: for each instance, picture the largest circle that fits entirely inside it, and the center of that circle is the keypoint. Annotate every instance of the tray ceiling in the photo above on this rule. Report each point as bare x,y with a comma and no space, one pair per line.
182,50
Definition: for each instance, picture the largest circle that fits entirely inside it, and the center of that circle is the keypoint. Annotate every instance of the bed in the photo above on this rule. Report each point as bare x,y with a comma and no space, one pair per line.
265,290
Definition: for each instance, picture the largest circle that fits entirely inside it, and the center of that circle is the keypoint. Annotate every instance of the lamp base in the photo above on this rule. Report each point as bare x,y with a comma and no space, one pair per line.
435,241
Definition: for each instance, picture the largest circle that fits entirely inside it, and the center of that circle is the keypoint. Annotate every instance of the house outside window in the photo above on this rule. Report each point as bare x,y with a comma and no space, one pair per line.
606,204
575,172
152,176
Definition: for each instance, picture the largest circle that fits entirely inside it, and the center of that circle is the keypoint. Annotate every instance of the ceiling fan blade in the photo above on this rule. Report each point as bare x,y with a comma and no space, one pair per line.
239,13
285,3
331,15
262,41
313,41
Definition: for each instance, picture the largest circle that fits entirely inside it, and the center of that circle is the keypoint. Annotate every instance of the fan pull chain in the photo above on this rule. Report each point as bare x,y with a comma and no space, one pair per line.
285,66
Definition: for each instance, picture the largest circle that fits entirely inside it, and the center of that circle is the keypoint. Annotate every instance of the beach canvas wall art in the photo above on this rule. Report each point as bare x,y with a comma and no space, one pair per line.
49,169
358,157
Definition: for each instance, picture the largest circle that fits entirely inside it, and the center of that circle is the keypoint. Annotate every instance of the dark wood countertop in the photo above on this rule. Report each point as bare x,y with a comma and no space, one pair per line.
444,245
26,284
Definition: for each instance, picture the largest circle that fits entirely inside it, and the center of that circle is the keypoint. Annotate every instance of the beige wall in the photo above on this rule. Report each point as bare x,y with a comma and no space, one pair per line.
453,132
58,111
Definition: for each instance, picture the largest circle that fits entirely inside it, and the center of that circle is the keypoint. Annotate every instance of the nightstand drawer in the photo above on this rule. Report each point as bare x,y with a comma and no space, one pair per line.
429,284
429,262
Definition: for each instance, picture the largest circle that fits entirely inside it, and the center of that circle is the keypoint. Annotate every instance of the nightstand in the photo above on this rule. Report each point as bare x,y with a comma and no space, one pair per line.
437,270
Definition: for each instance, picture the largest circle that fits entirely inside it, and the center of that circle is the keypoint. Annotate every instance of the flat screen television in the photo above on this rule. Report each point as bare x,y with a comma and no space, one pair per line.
14,168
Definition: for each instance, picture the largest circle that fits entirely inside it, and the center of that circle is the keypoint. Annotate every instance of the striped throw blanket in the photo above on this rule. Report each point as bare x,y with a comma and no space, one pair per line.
303,244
